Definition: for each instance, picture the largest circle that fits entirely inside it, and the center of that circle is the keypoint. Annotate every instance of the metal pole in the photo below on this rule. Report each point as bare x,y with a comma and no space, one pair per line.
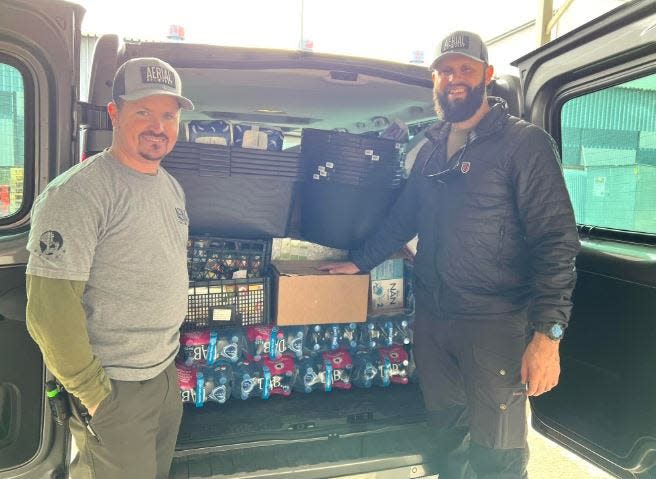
545,12
552,23
301,43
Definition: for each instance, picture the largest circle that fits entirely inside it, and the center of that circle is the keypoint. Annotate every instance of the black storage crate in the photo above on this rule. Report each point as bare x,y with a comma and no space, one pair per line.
229,302
350,183
228,284
237,192
212,258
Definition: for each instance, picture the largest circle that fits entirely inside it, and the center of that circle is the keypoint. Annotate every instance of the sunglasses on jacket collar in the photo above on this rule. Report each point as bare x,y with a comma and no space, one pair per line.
453,171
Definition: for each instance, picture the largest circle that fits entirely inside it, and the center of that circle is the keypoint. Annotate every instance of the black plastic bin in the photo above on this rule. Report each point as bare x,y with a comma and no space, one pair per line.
350,183
236,192
210,258
342,216
217,297
229,302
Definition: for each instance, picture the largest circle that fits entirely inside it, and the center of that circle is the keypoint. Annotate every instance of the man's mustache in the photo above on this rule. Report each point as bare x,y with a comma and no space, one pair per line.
156,135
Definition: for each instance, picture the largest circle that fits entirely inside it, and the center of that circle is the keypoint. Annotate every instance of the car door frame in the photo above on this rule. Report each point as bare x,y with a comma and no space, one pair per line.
41,38
558,72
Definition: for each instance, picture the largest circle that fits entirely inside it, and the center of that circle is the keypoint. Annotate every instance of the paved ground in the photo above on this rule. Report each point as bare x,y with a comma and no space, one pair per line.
550,461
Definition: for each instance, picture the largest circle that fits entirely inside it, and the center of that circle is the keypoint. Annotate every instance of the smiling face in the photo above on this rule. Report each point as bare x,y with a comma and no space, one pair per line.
459,87
145,131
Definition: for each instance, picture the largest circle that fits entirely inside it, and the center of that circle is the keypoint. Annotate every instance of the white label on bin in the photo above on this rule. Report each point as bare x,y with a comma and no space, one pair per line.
323,173
240,274
211,140
315,176
330,164
375,158
221,314
368,152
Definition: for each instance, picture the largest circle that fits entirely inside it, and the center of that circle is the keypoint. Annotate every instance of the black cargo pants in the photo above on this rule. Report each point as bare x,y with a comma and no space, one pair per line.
470,376
136,429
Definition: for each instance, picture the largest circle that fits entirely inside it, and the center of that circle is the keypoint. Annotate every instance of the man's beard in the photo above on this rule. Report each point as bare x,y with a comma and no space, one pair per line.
459,110
155,152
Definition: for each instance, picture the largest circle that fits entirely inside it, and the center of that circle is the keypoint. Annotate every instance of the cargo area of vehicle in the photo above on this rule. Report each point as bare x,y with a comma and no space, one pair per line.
358,426
300,415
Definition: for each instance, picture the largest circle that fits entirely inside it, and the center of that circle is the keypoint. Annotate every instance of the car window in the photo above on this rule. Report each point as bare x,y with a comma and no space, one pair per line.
12,140
609,155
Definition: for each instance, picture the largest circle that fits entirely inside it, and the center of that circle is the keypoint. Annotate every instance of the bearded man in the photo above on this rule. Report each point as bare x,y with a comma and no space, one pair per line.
494,270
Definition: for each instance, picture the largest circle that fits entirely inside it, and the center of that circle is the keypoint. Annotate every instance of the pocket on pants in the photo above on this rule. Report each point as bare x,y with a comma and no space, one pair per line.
495,368
105,405
499,417
498,401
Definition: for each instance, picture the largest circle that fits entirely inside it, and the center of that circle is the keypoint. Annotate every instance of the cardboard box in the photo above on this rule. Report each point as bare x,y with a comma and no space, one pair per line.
304,295
387,286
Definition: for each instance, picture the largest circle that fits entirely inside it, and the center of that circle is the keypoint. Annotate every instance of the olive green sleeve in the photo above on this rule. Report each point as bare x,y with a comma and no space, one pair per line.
57,322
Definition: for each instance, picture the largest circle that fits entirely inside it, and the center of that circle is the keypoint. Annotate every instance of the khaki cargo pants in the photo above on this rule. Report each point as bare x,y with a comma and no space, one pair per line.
137,427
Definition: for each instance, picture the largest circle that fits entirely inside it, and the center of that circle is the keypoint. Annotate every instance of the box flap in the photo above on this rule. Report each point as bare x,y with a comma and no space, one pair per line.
300,268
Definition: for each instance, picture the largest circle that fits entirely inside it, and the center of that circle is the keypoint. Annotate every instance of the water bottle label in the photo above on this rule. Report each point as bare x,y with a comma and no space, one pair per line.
211,351
267,383
329,376
200,389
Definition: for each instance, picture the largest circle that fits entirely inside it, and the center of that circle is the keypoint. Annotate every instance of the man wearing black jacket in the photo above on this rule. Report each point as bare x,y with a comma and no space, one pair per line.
494,270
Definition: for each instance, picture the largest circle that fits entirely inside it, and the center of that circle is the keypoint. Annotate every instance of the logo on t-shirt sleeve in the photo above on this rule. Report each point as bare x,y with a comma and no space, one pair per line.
182,216
51,243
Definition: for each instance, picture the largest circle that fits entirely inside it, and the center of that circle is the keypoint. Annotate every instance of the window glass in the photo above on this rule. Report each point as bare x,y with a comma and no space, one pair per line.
609,156
12,140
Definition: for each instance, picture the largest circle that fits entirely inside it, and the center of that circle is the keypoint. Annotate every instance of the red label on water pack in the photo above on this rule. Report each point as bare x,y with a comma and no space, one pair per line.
342,364
399,362
195,338
186,382
282,374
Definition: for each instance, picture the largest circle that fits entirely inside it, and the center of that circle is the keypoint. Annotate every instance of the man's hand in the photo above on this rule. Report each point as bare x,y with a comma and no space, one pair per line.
92,410
340,268
541,364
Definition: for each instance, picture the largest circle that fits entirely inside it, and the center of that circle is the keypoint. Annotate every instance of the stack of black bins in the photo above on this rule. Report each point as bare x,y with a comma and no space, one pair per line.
236,192
350,183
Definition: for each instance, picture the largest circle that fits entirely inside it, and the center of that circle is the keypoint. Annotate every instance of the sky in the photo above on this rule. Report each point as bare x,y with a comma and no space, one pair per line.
385,29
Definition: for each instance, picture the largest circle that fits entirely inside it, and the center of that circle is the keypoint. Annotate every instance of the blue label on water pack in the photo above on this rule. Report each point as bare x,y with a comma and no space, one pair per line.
329,376
211,350
200,389
387,367
273,343
267,383
334,343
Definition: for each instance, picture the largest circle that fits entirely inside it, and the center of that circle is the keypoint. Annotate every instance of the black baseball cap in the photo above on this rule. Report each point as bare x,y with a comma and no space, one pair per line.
142,77
464,43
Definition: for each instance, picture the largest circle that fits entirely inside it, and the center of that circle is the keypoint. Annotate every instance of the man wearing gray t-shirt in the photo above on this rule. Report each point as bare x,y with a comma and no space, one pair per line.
107,282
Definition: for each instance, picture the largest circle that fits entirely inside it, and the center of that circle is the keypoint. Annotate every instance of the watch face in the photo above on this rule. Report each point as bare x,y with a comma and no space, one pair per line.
556,331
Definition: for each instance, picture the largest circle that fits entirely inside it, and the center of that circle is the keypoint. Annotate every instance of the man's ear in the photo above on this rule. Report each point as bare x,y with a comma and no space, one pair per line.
489,73
434,76
112,110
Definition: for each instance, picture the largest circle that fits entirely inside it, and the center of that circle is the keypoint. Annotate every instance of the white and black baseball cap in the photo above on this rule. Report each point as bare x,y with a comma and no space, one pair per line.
142,77
464,43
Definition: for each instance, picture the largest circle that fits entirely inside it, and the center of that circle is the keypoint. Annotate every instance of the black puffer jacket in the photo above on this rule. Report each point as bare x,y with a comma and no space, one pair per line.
497,238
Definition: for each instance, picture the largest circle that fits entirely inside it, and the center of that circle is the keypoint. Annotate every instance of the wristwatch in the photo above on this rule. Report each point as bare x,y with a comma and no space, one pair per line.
554,331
